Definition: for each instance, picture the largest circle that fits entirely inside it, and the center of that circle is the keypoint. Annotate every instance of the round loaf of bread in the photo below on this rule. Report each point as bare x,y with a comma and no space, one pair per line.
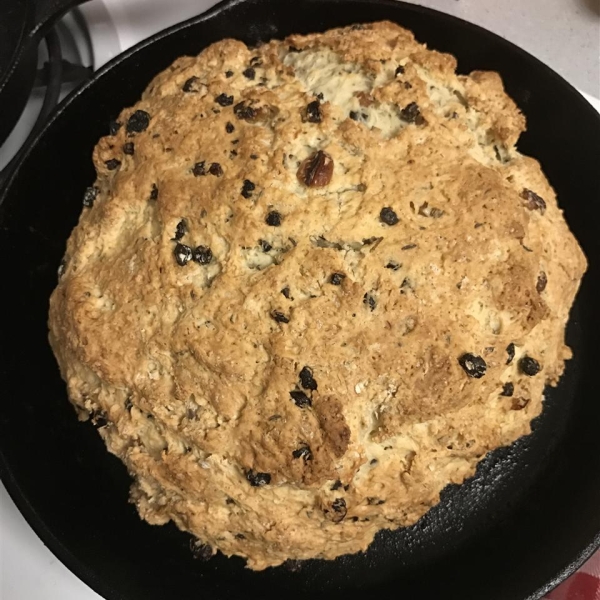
313,284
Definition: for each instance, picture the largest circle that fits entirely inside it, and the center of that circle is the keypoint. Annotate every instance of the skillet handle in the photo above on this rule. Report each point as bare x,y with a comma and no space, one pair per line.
46,13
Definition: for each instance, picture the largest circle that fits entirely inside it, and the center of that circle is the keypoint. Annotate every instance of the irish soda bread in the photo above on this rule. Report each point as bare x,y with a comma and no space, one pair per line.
313,283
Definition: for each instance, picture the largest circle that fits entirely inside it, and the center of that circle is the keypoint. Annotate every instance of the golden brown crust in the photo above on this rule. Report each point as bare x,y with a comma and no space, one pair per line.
431,246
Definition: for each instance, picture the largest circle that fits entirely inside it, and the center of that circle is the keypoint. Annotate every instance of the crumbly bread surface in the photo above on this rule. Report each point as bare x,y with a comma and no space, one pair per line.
294,295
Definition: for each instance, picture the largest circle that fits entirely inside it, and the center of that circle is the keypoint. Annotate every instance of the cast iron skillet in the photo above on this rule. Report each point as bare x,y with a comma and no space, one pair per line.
527,519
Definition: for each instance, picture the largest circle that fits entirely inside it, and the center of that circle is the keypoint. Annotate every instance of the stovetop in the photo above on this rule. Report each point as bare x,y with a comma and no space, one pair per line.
565,36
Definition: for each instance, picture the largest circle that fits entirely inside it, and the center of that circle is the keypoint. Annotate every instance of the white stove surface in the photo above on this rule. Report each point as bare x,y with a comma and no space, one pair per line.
115,25
28,570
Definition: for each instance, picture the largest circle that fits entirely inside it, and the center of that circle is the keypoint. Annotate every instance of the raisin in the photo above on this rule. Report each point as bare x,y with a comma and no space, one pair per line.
300,399
154,192
266,247
224,100
316,170
399,70
249,73
339,507
312,113
215,169
190,85
394,266
113,127
532,201
510,350
411,113
542,282
519,403
337,278
138,122
90,194
388,216
183,254
112,164
286,292
474,366
336,486
369,301
229,128
273,219
180,230
303,452
257,479
307,380
228,74
508,389
245,112
202,255
128,148
248,188
529,366
279,317
199,169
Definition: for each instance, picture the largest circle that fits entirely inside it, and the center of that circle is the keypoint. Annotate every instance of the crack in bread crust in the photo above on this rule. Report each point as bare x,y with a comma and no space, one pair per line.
287,364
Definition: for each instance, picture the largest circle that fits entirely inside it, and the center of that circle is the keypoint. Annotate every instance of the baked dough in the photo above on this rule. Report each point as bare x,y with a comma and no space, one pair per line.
313,284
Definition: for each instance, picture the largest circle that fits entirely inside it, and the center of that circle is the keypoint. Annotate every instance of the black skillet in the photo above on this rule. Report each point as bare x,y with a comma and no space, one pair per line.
529,517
